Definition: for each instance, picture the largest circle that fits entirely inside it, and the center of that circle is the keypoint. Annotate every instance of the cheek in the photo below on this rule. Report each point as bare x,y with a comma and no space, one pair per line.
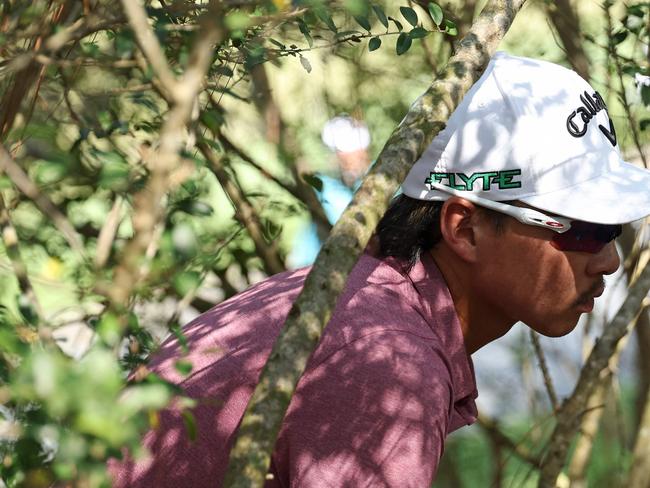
552,309
535,285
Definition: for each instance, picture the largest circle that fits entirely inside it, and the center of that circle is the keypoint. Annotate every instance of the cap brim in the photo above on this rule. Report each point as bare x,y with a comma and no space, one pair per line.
615,197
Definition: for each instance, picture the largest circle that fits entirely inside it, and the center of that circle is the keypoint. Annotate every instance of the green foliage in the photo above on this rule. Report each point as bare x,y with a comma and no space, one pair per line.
403,43
87,146
87,134
436,12
410,15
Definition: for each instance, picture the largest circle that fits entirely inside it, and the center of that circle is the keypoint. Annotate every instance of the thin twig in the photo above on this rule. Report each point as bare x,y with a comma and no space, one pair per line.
107,233
83,61
569,415
77,30
491,427
619,72
148,43
244,212
147,203
541,358
10,240
29,189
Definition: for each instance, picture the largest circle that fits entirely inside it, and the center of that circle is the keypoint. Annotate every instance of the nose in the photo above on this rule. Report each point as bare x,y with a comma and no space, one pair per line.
604,262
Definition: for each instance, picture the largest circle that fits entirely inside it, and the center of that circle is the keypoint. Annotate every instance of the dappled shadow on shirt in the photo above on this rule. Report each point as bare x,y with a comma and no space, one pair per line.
388,380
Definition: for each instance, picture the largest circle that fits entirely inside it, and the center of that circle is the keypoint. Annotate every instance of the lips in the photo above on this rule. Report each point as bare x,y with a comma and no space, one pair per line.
586,301
599,291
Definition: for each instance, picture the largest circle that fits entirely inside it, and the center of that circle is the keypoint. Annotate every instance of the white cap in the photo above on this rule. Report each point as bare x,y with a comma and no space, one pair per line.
536,132
345,134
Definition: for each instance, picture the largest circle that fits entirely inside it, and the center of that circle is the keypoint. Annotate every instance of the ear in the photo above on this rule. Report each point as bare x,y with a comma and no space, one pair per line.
458,222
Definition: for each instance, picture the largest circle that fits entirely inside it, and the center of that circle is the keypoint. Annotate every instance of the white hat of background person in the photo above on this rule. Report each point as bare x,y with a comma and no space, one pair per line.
345,134
536,132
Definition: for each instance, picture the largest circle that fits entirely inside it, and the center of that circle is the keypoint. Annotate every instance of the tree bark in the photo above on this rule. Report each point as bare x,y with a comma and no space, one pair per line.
566,22
310,313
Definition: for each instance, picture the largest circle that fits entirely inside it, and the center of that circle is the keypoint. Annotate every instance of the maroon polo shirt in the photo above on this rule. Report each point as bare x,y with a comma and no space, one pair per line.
389,380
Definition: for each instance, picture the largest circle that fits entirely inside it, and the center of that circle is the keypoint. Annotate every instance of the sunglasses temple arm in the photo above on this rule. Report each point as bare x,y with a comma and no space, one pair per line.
524,215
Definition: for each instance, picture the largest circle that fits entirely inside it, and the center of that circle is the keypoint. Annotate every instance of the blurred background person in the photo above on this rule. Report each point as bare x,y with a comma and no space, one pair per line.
349,139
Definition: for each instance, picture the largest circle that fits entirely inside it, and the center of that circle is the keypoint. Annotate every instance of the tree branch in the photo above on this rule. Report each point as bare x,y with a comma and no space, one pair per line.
492,429
548,381
147,203
148,43
29,189
107,233
244,212
619,73
566,22
312,310
570,414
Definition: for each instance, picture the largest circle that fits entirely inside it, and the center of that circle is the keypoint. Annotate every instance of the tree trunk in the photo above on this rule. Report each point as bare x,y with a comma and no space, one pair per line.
566,22
310,313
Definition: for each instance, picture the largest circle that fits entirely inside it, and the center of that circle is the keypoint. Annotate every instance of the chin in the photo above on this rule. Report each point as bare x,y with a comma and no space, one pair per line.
555,328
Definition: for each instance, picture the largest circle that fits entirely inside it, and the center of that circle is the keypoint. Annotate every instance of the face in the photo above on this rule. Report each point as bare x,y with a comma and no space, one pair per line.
522,276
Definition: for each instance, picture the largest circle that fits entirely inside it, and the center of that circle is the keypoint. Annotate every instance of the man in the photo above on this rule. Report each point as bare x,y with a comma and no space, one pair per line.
349,139
510,215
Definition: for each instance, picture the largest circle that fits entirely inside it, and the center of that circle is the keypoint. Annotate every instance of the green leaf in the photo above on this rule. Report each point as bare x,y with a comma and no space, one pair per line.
373,45
212,119
180,336
380,15
304,28
213,144
114,174
48,172
195,207
620,36
436,12
398,24
450,28
224,71
90,49
644,124
185,282
311,179
190,424
237,21
418,33
109,329
410,15
271,230
645,95
403,43
183,366
363,22
277,43
636,10
357,7
326,18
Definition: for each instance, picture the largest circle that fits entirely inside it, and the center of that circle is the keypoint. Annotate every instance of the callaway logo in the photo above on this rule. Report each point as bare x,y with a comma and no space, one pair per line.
592,104
460,181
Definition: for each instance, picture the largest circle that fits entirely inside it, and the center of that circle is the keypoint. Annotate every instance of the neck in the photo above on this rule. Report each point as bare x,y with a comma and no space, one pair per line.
480,322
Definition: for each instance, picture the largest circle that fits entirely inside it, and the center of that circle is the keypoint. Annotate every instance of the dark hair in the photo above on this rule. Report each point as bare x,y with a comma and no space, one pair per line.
410,227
